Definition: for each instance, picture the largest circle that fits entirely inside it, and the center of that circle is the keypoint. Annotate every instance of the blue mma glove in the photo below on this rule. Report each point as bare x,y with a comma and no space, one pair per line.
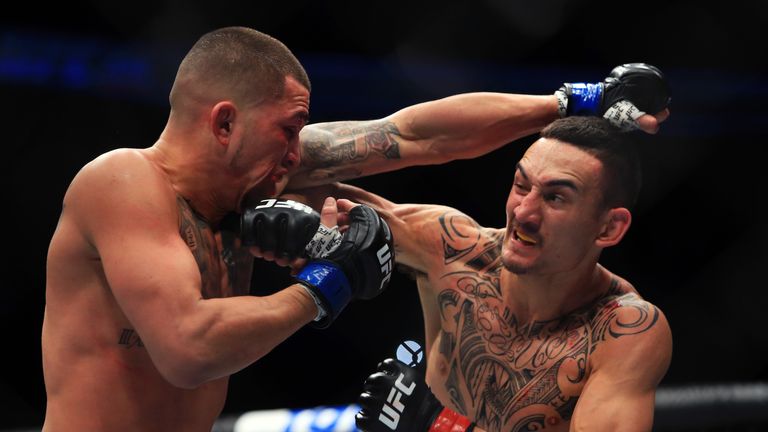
629,91
359,268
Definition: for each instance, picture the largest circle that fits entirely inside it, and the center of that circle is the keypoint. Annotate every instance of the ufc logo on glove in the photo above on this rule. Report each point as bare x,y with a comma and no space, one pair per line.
393,408
385,259
291,204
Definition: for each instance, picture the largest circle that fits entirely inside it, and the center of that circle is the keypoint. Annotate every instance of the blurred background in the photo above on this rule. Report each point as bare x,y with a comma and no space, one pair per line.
80,78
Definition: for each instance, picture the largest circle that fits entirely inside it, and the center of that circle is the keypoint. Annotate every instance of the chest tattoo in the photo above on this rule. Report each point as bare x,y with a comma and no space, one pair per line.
224,268
499,366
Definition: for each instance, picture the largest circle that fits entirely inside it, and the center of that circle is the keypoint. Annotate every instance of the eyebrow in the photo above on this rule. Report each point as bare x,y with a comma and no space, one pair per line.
552,183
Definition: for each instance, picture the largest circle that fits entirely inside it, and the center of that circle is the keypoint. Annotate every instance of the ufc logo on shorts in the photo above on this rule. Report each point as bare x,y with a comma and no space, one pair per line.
385,260
267,203
393,408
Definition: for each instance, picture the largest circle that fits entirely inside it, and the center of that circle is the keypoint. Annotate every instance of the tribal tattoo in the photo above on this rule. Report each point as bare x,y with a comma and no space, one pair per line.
504,365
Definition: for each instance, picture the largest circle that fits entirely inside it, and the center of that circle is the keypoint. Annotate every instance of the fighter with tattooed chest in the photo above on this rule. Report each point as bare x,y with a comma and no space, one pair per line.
524,329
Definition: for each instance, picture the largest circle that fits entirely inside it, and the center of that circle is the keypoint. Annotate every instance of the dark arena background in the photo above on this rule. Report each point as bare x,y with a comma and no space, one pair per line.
80,78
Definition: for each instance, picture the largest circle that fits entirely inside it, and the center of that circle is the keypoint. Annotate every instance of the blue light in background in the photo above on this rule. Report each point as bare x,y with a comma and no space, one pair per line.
79,64
705,102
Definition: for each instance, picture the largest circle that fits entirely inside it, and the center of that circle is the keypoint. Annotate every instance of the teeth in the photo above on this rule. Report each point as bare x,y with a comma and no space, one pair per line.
524,238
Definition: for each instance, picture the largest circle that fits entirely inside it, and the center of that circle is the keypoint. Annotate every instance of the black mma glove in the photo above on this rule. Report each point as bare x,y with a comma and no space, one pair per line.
630,91
396,398
359,268
287,228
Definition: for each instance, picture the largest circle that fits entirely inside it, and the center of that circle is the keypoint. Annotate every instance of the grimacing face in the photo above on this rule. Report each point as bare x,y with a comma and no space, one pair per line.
270,148
552,210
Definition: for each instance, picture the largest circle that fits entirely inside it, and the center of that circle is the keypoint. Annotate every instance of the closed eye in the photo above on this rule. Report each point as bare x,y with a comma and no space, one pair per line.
290,132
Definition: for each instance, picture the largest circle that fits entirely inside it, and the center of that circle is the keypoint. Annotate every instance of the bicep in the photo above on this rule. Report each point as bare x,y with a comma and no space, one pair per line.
147,265
610,403
627,368
153,277
424,234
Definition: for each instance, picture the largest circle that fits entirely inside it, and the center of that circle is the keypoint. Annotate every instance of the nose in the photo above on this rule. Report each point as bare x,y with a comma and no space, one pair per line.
528,211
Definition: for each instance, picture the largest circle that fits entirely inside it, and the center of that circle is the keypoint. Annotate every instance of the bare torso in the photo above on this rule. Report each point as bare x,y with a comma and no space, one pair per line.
98,374
484,363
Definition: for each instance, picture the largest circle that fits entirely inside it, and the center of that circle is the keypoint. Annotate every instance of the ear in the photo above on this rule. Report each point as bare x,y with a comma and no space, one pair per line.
222,118
616,224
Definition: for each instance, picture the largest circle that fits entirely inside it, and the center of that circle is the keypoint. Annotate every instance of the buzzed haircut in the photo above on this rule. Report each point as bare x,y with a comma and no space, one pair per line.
622,176
237,62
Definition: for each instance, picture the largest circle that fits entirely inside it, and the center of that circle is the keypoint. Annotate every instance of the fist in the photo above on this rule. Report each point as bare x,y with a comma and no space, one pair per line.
282,227
633,96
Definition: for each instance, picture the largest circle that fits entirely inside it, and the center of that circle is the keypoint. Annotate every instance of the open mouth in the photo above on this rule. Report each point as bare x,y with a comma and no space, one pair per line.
524,239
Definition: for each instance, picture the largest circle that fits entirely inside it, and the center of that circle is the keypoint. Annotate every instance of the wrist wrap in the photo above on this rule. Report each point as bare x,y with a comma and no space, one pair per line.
451,421
584,98
330,284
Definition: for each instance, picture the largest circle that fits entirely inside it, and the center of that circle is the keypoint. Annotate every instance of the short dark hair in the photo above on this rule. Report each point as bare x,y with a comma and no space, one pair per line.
622,176
249,63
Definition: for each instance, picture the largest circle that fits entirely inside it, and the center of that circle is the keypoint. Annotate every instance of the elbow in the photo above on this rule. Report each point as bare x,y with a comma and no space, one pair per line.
185,370
182,379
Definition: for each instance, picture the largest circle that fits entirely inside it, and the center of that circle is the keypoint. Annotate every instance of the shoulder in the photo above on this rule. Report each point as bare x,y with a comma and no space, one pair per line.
631,335
433,236
457,239
115,168
626,314
623,312
445,225
120,183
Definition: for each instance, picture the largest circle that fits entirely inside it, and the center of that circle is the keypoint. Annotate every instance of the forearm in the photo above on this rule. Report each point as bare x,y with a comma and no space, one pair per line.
456,127
224,335
315,196
472,124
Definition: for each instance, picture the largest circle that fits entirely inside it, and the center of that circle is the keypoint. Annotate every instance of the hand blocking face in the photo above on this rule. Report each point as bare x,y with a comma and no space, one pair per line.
288,232
341,267
282,228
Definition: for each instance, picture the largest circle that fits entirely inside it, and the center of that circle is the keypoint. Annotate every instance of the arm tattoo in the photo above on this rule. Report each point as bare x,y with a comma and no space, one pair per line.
456,243
608,323
342,143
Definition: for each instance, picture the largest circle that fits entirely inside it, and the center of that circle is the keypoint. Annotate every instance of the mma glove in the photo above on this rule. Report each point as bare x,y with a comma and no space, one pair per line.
287,228
359,268
396,398
629,91
356,265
